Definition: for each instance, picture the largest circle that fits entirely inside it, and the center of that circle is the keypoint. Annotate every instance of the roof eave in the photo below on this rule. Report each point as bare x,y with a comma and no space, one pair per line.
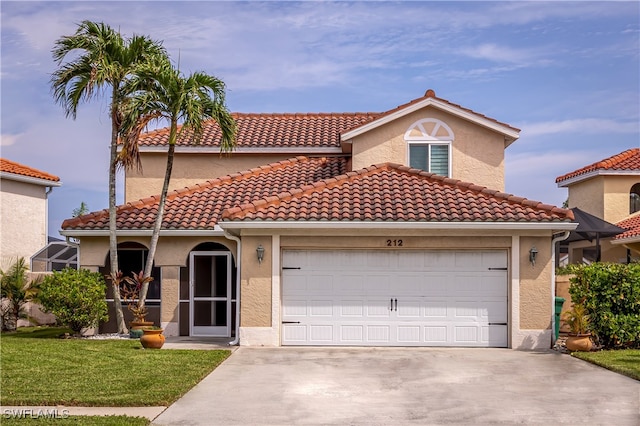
585,176
29,179
279,224
216,231
510,134
289,150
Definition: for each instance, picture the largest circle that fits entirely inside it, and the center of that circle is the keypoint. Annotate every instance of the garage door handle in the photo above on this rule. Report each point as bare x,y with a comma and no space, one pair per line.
291,267
291,322
497,323
396,300
391,304
497,269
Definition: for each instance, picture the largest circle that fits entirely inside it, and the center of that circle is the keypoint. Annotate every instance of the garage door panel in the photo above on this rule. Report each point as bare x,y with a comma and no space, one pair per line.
438,303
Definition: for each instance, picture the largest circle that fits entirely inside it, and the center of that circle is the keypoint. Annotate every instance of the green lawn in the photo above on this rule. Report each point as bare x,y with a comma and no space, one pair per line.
77,421
626,361
39,369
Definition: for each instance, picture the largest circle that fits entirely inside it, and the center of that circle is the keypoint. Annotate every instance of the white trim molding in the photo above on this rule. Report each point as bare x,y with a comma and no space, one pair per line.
510,134
570,181
29,179
328,224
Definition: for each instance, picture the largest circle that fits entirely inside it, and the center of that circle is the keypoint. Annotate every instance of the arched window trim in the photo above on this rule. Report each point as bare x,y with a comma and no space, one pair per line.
634,198
430,139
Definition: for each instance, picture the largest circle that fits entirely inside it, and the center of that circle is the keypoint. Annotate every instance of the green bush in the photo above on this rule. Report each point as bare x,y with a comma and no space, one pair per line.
610,292
75,297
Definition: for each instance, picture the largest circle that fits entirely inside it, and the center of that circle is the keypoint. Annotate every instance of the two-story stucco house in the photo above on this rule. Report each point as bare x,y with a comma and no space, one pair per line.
610,190
359,229
24,209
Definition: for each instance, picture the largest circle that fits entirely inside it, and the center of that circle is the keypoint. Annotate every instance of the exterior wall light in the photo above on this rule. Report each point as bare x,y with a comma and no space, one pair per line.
260,253
533,253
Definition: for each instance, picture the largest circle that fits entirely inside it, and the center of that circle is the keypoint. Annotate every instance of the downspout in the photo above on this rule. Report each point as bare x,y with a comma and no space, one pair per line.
46,214
236,340
555,241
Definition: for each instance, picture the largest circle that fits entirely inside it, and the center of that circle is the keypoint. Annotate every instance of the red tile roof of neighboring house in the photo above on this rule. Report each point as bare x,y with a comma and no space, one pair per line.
8,166
275,130
200,206
632,225
282,130
391,192
628,160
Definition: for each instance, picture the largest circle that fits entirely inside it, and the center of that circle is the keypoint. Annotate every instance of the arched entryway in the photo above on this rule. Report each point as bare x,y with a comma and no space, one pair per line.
208,292
132,257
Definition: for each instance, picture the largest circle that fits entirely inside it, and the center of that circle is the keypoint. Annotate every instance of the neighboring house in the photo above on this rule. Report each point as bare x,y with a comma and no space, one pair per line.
362,229
610,190
24,195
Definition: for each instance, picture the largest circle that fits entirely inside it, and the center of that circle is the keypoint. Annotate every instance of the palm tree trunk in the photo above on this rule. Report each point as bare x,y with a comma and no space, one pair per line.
155,236
113,239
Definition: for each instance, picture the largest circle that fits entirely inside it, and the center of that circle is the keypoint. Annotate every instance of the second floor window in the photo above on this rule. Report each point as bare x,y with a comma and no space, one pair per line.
431,157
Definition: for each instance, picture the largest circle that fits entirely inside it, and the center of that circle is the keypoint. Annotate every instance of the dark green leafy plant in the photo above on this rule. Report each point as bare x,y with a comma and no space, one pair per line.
16,290
75,297
610,293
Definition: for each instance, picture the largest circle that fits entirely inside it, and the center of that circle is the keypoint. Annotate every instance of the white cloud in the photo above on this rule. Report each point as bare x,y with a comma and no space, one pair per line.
579,125
8,140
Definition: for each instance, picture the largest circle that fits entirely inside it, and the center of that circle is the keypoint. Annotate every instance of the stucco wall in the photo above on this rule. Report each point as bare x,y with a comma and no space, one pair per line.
23,223
606,197
616,197
255,283
477,153
188,170
535,284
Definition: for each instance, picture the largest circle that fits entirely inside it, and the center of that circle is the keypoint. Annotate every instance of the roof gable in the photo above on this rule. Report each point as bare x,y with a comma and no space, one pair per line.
626,162
16,171
391,192
430,100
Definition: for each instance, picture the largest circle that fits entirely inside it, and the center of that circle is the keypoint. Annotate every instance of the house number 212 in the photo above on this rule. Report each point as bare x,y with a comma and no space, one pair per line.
394,243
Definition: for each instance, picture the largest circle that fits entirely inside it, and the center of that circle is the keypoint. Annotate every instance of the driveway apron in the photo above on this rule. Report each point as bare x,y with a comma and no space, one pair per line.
422,386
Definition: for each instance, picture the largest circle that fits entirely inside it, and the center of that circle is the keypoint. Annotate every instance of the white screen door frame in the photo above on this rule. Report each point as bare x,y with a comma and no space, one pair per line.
210,293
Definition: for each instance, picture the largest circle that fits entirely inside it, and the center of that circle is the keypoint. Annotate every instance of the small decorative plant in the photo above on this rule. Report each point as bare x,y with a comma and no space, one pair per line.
131,292
577,319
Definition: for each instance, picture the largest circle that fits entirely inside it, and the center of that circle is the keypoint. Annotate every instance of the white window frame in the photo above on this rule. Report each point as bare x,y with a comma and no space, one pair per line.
430,139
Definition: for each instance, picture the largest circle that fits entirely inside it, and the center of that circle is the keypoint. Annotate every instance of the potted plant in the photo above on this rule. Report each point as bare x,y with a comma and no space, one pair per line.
152,337
579,338
130,294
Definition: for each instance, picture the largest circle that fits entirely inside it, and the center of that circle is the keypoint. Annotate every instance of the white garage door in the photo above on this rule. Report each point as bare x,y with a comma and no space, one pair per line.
394,298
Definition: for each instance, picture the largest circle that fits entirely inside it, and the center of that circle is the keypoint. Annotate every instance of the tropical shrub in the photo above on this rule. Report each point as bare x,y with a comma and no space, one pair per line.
610,293
16,290
75,297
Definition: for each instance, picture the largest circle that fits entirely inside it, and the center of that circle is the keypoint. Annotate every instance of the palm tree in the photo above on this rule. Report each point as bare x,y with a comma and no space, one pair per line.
16,290
102,60
164,94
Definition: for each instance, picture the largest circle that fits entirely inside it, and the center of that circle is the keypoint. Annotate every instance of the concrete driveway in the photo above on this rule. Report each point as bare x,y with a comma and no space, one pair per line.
423,386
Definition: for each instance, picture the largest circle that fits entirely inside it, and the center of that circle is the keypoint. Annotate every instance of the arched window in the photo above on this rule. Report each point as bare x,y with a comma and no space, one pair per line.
429,146
634,198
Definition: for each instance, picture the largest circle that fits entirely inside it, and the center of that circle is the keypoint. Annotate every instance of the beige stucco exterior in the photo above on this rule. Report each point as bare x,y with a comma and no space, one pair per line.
189,169
604,196
23,224
477,154
530,314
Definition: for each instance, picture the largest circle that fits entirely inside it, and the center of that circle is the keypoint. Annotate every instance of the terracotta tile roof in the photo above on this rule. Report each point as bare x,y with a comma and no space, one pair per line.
632,225
628,160
391,192
200,206
282,130
432,94
8,166
276,130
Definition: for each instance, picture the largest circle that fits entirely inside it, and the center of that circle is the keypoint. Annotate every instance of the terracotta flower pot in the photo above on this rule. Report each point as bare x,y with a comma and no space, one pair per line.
152,338
579,342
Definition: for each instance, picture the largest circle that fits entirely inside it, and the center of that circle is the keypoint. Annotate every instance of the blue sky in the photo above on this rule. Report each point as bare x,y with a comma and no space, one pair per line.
566,73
